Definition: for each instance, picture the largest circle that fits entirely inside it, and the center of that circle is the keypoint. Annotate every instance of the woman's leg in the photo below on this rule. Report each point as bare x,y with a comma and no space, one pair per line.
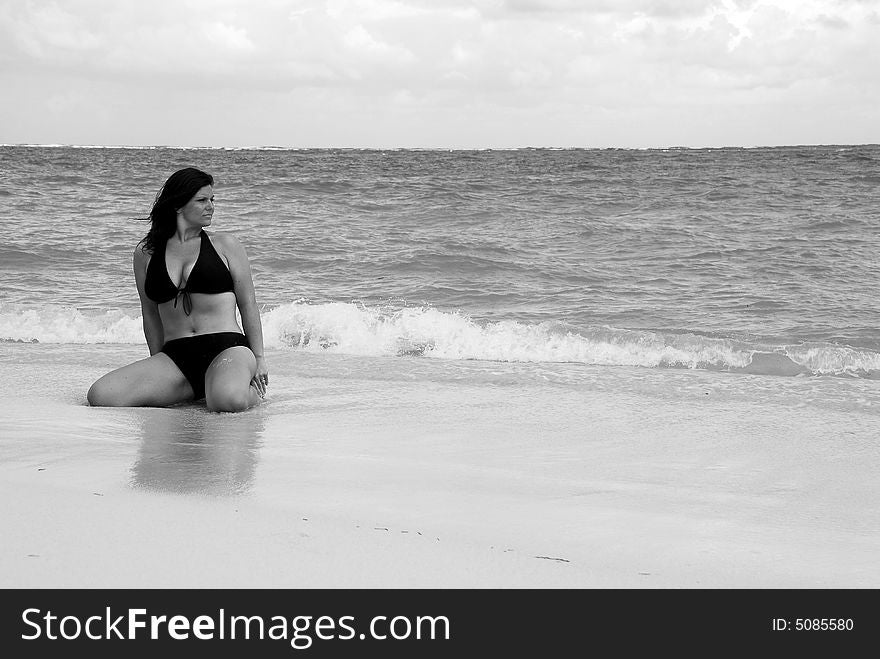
152,382
228,381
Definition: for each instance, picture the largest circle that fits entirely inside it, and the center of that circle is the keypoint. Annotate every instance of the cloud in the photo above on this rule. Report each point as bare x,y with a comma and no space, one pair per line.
497,43
362,43
503,58
229,37
663,9
48,29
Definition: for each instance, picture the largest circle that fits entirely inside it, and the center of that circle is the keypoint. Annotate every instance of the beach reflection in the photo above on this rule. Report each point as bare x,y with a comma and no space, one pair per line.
190,450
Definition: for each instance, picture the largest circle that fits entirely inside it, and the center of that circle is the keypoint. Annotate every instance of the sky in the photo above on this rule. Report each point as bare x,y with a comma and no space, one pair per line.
450,74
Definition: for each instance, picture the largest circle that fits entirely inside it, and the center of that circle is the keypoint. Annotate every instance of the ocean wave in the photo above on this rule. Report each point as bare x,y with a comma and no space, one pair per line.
353,328
61,324
426,332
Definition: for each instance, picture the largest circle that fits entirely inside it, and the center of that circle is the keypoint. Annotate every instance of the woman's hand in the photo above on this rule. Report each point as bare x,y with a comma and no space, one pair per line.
260,381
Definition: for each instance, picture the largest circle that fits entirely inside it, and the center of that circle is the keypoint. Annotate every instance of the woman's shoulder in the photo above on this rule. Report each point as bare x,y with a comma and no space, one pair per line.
141,255
228,246
224,240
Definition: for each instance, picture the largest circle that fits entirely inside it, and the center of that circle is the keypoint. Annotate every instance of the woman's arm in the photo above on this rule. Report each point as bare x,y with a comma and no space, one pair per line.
245,297
153,331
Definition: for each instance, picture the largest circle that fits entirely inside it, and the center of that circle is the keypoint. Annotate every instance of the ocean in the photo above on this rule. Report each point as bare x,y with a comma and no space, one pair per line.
737,260
666,358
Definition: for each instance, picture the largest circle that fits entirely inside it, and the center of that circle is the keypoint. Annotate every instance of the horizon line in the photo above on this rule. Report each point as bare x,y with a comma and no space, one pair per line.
270,147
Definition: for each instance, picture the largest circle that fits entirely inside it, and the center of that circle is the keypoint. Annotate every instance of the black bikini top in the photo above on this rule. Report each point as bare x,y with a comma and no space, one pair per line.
208,275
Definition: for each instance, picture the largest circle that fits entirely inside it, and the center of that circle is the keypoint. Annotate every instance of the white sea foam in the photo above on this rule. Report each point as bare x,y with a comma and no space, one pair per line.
59,324
424,331
822,359
357,329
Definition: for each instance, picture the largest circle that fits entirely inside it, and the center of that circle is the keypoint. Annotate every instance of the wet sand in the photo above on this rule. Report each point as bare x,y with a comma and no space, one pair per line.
390,484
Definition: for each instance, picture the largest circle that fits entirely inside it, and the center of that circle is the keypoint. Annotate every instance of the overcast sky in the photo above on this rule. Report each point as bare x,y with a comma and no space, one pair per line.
440,73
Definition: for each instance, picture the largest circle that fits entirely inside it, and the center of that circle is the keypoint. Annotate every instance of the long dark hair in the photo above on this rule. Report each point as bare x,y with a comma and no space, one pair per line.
180,187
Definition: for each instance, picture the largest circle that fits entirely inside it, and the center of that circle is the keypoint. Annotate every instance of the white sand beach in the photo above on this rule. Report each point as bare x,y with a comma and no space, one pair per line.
341,482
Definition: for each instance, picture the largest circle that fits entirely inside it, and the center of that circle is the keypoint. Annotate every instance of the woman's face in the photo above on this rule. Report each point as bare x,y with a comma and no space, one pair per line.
200,208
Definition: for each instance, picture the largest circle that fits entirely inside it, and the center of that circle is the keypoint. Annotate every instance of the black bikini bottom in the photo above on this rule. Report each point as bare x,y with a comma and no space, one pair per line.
194,354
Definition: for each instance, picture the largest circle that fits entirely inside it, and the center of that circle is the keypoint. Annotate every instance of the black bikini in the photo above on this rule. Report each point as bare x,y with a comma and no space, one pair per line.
193,354
208,275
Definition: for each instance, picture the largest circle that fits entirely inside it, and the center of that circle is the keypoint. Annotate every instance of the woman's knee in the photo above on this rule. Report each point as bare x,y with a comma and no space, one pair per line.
229,399
227,382
103,394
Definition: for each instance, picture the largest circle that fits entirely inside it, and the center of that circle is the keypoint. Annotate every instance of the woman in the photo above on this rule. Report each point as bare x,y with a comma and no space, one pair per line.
189,283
